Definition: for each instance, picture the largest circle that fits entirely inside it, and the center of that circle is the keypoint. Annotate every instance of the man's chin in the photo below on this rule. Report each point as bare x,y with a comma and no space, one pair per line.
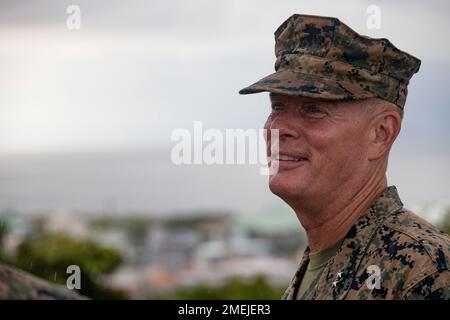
285,187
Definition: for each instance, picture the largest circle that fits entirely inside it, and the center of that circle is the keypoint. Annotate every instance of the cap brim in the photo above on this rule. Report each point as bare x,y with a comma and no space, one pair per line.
308,85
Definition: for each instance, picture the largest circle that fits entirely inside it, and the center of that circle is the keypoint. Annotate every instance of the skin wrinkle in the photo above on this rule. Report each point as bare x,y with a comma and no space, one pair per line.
347,144
350,213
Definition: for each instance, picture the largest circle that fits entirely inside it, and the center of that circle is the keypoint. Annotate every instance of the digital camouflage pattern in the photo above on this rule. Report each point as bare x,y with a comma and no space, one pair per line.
321,57
412,256
18,285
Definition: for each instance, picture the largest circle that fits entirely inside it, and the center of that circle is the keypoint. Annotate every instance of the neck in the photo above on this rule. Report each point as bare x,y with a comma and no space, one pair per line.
335,218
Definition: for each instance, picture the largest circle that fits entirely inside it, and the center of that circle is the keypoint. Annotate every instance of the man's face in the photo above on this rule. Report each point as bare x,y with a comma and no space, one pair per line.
323,146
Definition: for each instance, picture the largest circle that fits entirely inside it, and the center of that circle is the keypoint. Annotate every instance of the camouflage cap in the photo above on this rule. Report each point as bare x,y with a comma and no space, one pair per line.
321,57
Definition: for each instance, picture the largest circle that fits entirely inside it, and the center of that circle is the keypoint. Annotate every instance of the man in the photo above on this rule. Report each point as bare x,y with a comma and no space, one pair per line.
337,100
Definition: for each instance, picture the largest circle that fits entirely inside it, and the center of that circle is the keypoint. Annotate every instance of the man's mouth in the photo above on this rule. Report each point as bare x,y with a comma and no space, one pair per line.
289,158
284,161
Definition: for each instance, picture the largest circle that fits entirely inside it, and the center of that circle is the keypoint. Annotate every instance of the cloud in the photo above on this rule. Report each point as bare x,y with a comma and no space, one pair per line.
133,73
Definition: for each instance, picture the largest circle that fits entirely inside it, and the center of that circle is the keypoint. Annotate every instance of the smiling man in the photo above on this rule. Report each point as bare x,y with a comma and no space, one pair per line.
337,100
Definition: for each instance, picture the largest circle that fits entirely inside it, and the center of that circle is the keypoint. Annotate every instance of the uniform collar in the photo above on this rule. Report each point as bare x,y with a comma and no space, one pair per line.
340,271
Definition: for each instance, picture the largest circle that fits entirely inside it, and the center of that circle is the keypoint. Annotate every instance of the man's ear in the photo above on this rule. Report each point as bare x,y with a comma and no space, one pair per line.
384,129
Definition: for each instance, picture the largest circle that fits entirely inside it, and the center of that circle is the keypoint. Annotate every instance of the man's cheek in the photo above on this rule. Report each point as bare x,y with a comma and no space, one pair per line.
331,163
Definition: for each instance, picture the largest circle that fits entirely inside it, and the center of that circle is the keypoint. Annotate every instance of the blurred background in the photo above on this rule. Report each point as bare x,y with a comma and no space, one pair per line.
86,117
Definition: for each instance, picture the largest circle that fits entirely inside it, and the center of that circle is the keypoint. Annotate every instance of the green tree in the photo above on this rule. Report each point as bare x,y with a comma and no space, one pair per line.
234,289
49,255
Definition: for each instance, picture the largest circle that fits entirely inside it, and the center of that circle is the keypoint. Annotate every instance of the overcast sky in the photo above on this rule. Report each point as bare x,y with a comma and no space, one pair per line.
138,70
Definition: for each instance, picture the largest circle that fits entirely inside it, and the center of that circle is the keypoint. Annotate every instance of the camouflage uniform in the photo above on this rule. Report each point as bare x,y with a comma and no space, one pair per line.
19,285
413,258
321,57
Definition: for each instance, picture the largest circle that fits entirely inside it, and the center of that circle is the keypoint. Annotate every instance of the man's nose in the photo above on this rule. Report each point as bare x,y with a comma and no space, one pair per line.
286,124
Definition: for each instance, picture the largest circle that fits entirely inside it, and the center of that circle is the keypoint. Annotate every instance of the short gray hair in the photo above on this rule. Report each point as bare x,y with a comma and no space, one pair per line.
373,105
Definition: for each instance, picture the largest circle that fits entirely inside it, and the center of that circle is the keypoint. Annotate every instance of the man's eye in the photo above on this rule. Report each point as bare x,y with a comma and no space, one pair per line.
313,108
277,107
313,111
